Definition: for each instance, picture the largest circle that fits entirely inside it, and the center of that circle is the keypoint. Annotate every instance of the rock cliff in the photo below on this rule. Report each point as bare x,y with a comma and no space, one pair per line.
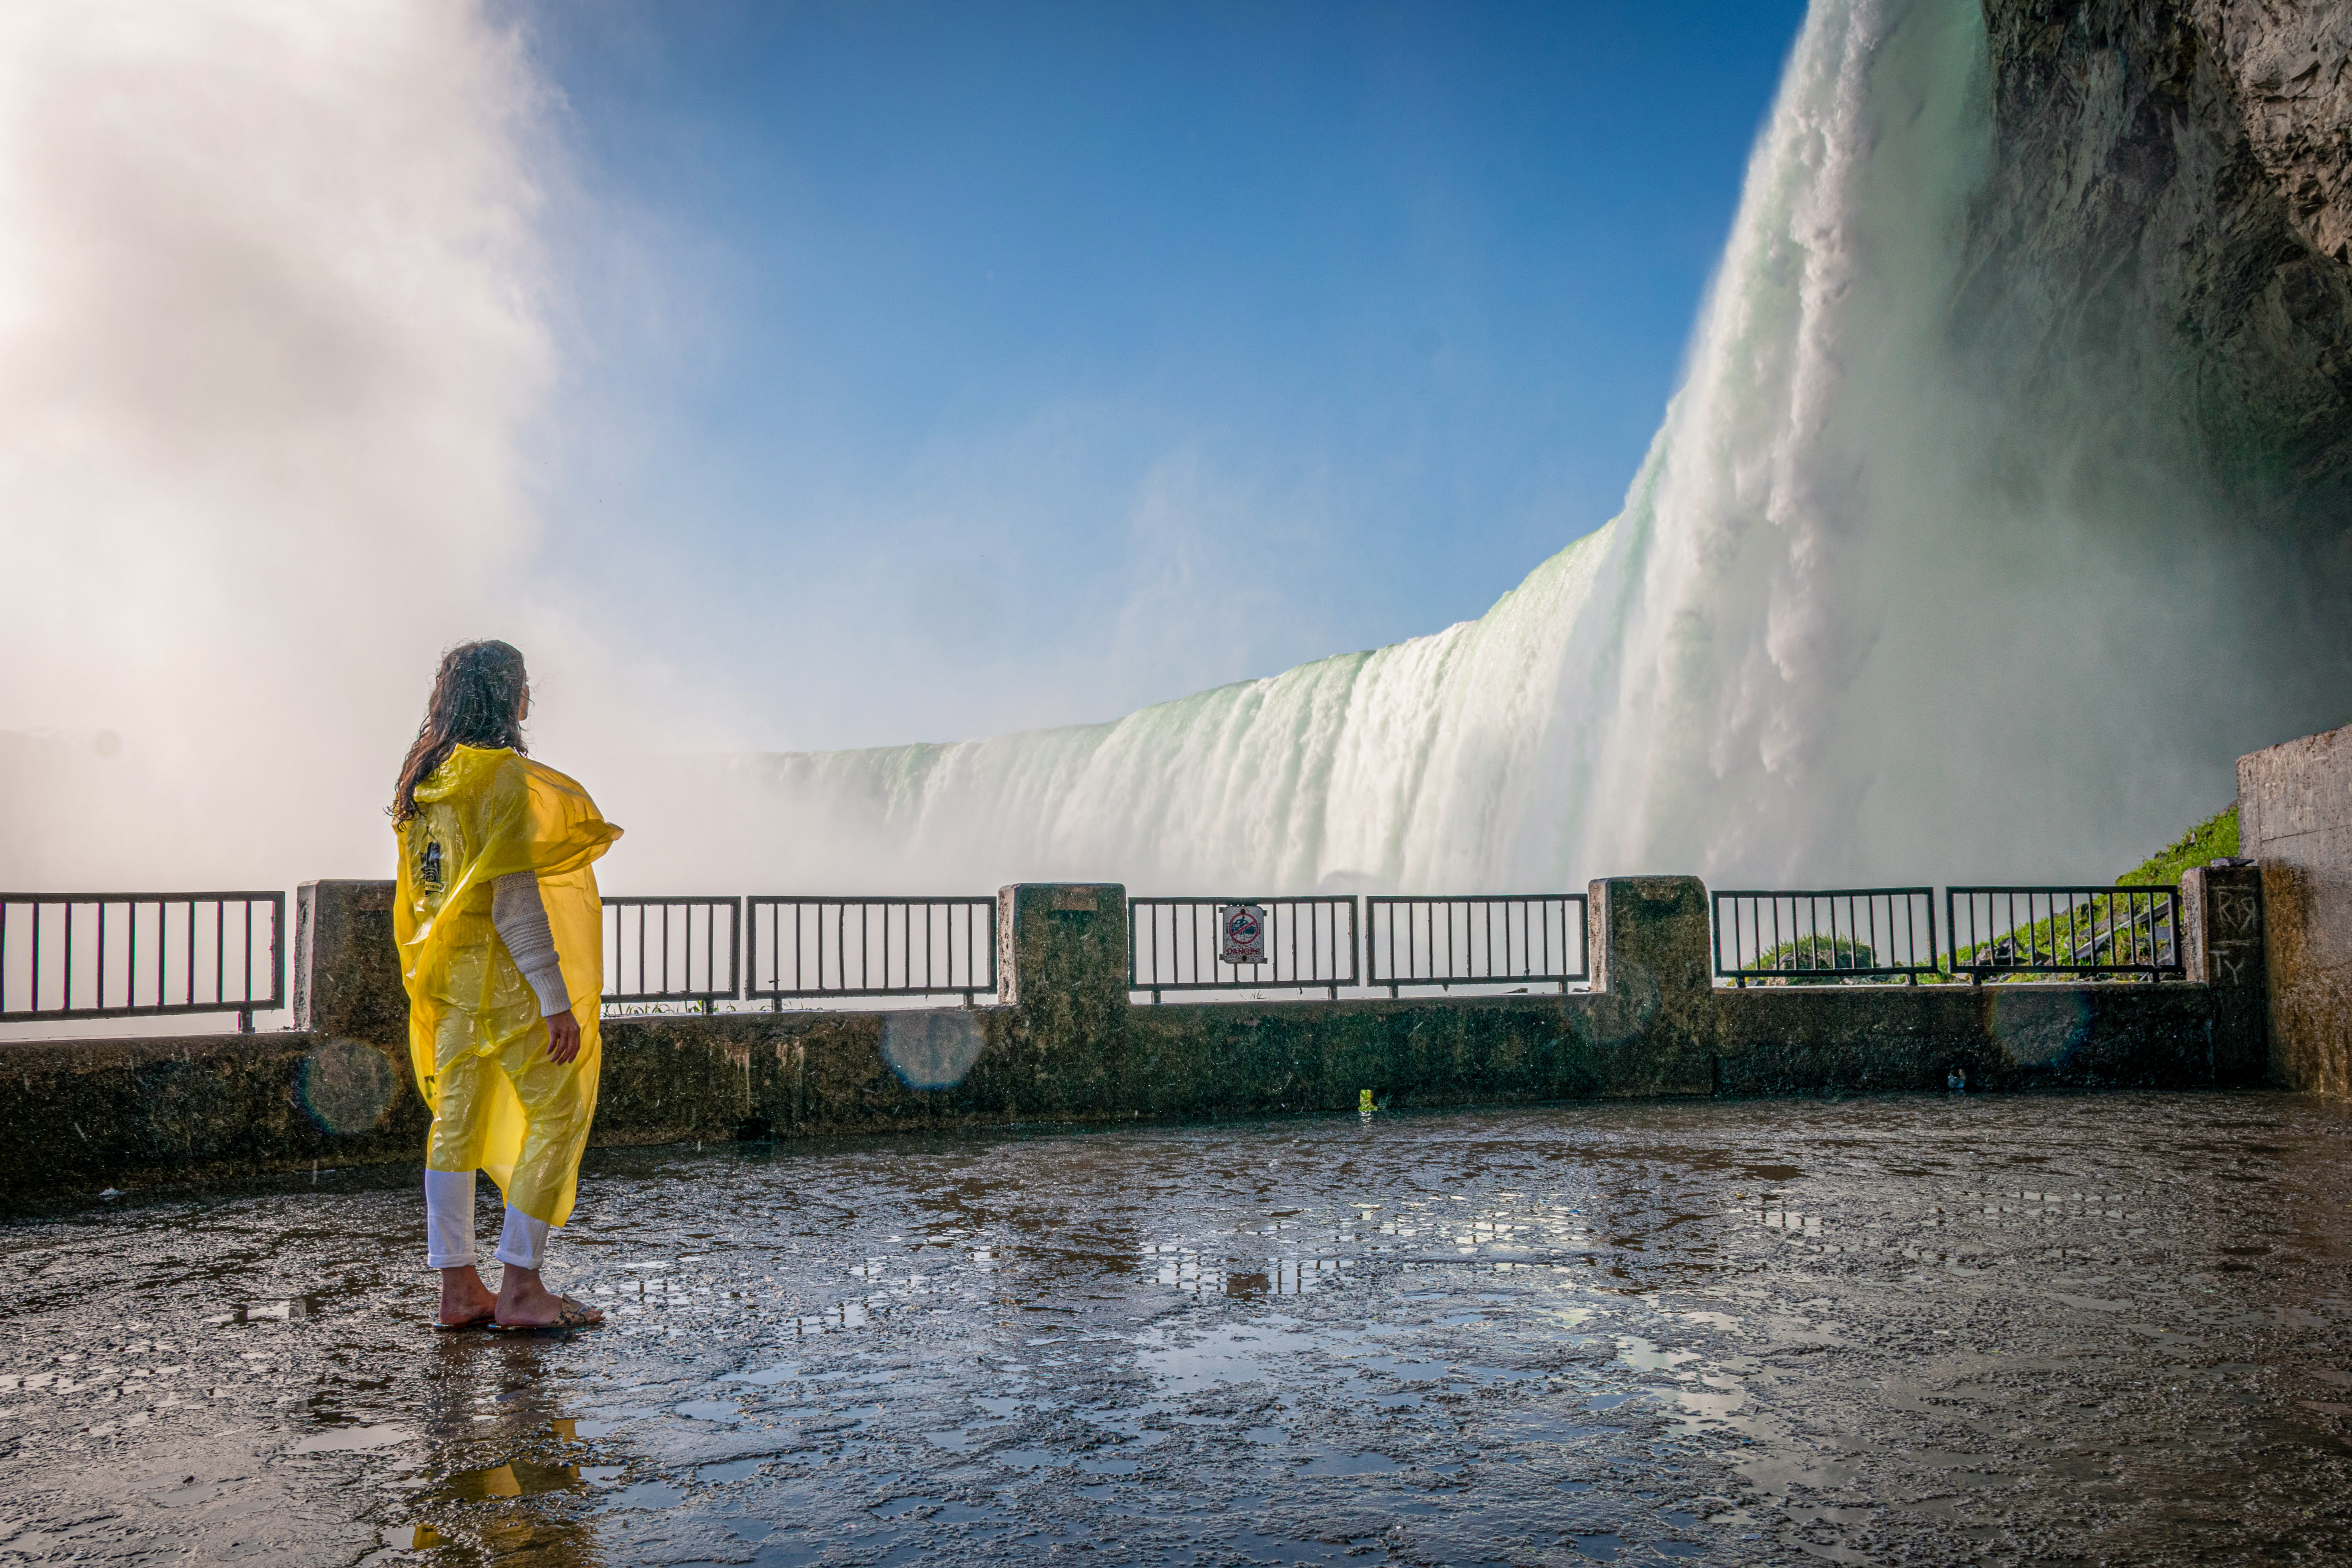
2170,211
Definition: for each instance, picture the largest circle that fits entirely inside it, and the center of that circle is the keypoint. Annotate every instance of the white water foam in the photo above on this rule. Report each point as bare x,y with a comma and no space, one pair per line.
1821,644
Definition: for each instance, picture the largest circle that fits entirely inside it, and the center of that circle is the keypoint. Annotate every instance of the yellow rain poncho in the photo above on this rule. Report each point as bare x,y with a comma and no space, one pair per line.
474,1033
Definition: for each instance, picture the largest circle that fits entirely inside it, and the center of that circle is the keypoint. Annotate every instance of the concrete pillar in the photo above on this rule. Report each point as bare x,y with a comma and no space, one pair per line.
2222,908
1650,961
2295,817
1063,944
1062,971
2221,946
346,966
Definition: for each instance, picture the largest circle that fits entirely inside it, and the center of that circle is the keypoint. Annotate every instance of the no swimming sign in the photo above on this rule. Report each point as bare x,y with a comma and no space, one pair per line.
1241,928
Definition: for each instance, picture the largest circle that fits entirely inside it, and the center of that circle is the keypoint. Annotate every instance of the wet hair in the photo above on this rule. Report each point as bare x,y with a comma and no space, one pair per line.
477,701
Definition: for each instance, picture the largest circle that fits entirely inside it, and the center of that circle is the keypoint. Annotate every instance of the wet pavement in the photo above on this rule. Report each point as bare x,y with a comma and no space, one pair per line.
2046,1330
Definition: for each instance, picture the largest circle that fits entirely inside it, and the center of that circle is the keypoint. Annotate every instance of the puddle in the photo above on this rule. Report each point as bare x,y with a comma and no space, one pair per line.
1247,1352
516,1479
1030,1458
1622,1334
740,1470
346,1439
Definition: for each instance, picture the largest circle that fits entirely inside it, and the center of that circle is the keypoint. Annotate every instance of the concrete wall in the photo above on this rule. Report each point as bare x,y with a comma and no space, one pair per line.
2295,817
1068,1046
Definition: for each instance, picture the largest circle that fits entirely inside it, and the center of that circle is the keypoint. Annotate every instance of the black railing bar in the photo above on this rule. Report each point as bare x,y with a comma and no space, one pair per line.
1824,892
1210,900
757,899
875,991
144,1010
260,896
637,900
676,997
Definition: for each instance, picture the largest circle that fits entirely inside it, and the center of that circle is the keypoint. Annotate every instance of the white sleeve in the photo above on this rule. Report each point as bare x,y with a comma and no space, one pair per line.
521,920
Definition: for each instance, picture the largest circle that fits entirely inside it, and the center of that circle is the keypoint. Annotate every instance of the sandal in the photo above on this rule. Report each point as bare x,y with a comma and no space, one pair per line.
574,1315
485,1321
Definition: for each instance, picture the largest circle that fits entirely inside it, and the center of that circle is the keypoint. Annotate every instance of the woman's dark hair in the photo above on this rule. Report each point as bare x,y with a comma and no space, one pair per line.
477,701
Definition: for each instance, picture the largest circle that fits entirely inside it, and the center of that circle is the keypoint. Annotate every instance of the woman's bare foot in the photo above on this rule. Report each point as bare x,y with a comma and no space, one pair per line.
524,1302
464,1300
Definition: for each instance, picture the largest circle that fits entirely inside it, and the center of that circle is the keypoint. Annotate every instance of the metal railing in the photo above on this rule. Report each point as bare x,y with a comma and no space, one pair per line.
817,946
130,956
2065,930
1826,935
1476,939
1190,944
672,949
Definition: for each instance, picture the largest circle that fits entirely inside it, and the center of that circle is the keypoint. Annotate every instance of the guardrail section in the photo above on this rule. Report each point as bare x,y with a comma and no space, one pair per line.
817,946
2065,930
1825,935
1240,945
1540,937
673,949
129,956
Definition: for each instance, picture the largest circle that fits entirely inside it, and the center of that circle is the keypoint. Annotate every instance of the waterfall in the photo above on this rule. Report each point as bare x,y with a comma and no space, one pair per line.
1879,605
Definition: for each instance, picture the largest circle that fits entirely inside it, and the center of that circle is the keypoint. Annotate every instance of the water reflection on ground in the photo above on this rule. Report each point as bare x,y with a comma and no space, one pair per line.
1974,1331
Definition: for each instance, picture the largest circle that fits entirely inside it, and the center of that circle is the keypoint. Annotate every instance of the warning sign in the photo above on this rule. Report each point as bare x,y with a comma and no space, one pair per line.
1242,929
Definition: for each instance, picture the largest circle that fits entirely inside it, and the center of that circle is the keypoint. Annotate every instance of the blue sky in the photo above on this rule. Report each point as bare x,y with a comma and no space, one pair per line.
931,371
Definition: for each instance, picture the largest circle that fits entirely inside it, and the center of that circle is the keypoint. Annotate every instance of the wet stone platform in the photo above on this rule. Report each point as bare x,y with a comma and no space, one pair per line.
2047,1330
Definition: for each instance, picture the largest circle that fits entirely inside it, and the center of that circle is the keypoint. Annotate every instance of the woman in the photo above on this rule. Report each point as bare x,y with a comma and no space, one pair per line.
500,930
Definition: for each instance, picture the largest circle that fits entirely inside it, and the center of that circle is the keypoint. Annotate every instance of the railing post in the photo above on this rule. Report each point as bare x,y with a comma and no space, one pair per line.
1650,963
1063,974
1062,943
346,965
2222,945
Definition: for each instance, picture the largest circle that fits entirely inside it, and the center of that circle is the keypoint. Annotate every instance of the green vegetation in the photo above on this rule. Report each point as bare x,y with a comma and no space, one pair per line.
1812,960
1817,955
2210,840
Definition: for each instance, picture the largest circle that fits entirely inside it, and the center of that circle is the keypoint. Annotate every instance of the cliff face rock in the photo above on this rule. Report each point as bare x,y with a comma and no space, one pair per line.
2289,66
2168,220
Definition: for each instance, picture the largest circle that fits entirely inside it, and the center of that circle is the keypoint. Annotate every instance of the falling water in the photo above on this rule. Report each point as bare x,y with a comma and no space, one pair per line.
1874,608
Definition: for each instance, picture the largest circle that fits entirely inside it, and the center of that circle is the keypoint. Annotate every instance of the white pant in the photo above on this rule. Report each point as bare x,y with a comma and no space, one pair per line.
449,1226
